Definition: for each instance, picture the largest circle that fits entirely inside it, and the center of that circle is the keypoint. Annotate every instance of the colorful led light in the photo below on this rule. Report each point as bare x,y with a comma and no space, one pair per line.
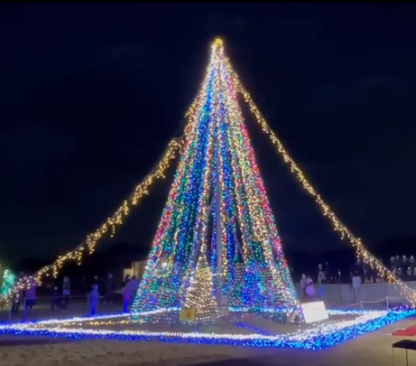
217,198
9,280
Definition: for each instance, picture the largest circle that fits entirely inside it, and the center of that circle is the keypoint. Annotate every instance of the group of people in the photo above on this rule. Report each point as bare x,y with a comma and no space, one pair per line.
404,267
307,288
61,295
25,296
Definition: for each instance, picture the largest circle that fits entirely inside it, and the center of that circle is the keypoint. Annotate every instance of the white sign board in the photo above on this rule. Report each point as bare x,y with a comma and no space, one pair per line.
314,311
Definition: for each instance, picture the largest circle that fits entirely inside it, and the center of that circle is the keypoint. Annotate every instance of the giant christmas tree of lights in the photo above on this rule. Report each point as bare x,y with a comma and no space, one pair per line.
217,211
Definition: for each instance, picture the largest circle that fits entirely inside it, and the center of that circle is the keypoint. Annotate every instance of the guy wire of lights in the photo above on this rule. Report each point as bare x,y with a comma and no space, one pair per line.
89,245
338,226
317,337
218,159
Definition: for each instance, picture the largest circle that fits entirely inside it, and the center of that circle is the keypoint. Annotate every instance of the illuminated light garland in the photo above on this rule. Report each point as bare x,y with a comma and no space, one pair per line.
318,337
110,225
338,226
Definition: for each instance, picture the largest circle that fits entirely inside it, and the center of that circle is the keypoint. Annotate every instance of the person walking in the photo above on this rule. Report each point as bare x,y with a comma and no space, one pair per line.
126,297
16,300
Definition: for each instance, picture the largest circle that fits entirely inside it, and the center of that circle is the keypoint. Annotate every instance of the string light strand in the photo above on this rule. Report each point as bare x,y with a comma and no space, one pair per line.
174,147
326,210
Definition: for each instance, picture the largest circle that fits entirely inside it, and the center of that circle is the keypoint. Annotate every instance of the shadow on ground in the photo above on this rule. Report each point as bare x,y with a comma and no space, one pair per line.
247,361
18,341
235,361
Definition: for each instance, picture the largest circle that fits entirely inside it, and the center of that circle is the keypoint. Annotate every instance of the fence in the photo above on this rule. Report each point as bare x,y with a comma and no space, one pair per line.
367,292
379,304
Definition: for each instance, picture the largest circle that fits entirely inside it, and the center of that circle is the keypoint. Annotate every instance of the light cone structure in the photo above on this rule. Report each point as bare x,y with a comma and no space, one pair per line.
217,209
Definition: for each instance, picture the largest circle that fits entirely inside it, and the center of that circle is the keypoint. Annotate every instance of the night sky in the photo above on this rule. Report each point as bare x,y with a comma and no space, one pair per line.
91,94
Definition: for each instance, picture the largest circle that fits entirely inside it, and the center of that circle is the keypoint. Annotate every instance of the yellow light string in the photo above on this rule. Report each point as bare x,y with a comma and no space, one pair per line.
89,245
338,226
72,323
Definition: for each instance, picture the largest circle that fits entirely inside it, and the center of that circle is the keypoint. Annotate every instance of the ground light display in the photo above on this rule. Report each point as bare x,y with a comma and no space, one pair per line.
216,271
315,337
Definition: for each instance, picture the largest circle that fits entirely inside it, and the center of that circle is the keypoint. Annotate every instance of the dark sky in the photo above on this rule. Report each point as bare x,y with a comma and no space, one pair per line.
90,95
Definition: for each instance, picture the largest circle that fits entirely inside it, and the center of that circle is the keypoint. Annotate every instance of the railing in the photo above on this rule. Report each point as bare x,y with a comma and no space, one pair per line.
386,300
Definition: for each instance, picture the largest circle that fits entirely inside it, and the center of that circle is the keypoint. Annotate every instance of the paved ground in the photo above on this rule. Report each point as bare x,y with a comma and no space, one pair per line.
368,350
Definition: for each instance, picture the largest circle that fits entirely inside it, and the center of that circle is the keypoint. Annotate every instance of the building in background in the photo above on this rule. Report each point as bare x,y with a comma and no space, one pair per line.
136,269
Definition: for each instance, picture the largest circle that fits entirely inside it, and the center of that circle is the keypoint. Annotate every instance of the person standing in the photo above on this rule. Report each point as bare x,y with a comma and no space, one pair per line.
133,286
309,289
321,280
66,290
94,298
126,297
31,294
18,296
303,285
